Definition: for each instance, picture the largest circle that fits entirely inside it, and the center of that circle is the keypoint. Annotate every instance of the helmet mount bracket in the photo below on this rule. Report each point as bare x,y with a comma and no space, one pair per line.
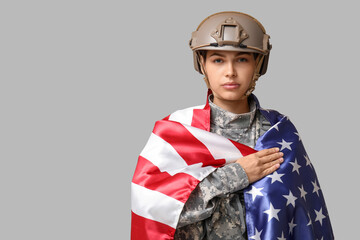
230,32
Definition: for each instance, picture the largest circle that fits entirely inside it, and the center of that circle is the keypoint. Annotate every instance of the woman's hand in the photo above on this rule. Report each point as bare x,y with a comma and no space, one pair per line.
261,163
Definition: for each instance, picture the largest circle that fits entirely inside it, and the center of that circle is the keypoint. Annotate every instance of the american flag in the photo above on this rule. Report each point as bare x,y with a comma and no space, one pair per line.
289,203
181,151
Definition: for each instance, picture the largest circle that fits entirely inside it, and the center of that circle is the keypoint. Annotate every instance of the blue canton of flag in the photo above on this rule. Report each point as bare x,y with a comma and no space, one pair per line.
289,203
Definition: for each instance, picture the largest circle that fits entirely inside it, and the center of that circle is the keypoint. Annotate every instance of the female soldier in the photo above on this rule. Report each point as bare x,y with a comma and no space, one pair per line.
231,50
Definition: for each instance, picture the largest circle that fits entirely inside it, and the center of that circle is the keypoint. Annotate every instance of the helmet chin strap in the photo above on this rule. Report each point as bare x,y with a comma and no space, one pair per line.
202,69
259,61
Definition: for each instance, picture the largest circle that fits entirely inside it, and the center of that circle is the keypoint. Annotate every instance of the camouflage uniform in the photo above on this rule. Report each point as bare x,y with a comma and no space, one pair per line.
215,209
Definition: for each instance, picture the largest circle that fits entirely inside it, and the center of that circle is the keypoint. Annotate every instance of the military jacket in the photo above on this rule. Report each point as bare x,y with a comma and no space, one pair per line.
215,209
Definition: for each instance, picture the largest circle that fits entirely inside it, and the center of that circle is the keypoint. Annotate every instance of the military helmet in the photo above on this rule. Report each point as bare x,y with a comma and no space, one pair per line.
231,31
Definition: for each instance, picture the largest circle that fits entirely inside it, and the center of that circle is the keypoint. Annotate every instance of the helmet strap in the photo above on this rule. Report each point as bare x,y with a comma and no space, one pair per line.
202,69
259,62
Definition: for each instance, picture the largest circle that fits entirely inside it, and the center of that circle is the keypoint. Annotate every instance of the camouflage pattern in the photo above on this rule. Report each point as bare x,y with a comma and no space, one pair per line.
238,127
215,209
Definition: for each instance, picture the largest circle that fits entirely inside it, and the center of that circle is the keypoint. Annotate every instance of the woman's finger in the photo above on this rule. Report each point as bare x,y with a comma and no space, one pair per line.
271,169
269,165
266,152
271,157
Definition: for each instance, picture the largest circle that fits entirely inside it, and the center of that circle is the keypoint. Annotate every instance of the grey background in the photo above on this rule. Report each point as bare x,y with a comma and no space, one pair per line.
82,83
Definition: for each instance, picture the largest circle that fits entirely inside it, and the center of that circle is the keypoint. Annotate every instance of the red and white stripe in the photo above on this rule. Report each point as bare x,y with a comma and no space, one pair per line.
185,116
175,159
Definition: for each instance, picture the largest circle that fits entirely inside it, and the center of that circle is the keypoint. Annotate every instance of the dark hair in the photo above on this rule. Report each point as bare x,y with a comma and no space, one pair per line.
203,54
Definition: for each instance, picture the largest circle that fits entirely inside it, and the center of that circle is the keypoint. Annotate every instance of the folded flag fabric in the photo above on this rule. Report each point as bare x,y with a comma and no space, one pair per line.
181,151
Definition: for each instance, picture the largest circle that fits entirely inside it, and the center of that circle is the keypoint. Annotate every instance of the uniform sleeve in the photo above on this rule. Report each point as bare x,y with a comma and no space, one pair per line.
219,184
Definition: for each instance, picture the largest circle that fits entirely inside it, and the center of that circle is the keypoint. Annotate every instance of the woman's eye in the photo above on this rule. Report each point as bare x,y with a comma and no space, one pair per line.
218,61
242,60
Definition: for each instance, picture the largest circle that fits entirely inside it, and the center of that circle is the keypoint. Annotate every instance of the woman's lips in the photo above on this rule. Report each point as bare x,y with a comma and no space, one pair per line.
230,86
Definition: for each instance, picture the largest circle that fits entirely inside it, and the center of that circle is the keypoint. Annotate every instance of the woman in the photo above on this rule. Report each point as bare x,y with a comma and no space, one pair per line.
231,50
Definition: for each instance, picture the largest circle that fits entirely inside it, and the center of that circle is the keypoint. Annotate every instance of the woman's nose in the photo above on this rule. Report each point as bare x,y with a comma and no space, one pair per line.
230,70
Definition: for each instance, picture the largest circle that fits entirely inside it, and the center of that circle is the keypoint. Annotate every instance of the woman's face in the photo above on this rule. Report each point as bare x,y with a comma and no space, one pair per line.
229,74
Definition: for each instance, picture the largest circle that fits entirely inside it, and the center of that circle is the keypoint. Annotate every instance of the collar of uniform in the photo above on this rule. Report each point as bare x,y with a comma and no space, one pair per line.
225,119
